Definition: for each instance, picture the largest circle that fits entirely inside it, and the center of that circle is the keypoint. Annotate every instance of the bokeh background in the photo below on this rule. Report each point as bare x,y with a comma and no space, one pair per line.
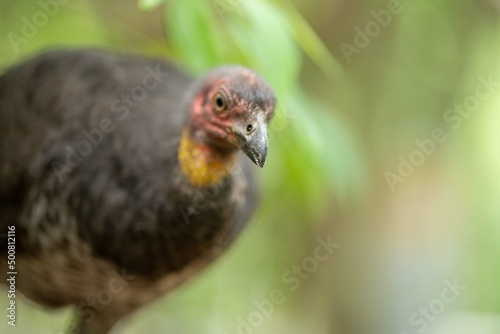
363,86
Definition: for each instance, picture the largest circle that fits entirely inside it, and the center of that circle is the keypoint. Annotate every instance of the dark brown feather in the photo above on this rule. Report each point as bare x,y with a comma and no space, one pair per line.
124,214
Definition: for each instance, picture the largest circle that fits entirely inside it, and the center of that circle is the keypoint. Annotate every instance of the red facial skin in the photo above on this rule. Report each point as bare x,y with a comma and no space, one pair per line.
247,97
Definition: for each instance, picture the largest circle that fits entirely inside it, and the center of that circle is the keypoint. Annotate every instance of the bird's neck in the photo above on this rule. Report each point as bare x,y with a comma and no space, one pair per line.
201,163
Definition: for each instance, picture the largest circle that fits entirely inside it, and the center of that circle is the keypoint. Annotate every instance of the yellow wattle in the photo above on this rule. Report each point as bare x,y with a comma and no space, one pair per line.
202,168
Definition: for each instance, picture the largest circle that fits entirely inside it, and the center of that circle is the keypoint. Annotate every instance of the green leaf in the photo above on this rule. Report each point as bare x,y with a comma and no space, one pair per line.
254,34
268,43
192,33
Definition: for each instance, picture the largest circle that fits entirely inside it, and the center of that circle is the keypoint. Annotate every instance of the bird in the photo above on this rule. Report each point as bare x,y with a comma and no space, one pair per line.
123,176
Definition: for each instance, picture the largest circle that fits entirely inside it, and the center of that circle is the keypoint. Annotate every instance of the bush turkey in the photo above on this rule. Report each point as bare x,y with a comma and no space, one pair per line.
122,176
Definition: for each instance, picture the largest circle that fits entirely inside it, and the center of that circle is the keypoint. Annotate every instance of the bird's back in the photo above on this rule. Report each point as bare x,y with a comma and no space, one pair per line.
68,96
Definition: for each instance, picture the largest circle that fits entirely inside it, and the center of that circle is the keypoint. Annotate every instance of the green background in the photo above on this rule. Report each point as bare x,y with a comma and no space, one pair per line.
345,120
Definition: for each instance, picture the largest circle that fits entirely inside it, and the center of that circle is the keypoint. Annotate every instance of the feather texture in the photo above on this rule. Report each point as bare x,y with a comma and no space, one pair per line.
90,177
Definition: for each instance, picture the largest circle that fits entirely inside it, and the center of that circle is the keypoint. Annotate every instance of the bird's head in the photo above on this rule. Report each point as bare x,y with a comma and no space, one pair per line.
231,109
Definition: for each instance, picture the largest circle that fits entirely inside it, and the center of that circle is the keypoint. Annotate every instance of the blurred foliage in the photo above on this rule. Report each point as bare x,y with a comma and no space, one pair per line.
341,124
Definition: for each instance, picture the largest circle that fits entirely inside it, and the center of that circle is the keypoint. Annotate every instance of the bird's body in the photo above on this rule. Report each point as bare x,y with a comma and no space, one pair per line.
117,192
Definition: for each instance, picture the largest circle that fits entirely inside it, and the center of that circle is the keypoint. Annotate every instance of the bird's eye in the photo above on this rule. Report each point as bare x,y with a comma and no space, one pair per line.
249,128
220,102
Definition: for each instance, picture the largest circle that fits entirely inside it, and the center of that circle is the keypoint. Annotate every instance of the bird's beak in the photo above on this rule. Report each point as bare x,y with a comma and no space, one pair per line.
254,143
